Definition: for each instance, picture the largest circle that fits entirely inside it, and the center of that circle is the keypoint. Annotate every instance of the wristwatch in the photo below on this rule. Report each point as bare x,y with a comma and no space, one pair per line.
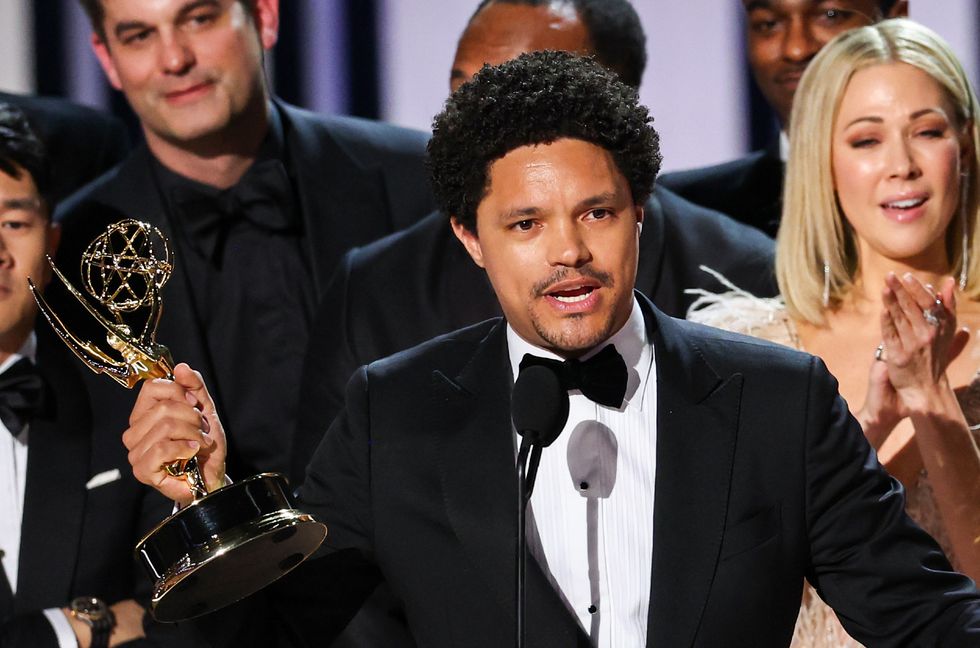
97,616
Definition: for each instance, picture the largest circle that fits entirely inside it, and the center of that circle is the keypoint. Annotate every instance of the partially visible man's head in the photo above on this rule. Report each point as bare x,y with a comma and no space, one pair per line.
782,36
500,30
188,68
26,231
544,163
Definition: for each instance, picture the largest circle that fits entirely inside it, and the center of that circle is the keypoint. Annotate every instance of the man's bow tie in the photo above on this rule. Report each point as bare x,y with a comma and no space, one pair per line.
21,392
263,196
602,378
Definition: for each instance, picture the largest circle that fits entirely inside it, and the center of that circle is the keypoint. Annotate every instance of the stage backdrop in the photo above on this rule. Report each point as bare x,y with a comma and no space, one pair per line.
390,59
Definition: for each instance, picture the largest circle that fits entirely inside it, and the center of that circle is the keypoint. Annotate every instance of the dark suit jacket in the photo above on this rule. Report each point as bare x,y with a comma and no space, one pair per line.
749,189
416,284
81,143
75,540
763,478
356,181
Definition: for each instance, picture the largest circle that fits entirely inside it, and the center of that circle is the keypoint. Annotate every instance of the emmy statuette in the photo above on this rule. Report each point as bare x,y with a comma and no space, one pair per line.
228,543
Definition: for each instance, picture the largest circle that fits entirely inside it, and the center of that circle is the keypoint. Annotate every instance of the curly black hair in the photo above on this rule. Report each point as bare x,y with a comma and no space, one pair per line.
21,150
537,98
614,29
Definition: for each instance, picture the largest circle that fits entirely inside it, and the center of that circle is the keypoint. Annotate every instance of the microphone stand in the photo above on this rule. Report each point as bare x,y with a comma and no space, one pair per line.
526,472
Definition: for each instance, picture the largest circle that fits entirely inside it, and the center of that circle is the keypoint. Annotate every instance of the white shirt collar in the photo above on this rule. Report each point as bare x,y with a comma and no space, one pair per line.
630,340
783,146
27,350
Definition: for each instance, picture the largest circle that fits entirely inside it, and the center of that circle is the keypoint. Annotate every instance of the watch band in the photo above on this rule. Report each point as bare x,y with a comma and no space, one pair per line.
97,616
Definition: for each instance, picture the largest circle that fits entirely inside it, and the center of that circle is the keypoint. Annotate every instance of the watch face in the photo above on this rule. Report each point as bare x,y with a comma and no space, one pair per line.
87,607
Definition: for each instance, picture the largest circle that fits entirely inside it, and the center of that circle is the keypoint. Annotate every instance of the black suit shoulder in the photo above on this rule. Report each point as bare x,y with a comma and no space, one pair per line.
81,142
368,141
748,189
694,236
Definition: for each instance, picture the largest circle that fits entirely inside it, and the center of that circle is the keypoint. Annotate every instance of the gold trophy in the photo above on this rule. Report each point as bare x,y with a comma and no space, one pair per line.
226,544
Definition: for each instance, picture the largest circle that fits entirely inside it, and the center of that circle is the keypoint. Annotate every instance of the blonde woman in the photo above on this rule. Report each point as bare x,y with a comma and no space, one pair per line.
878,265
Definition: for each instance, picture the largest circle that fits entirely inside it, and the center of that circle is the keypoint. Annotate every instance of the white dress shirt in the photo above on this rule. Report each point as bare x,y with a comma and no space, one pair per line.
13,487
590,521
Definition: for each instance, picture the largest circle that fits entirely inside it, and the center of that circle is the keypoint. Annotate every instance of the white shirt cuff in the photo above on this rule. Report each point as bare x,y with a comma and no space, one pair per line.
62,629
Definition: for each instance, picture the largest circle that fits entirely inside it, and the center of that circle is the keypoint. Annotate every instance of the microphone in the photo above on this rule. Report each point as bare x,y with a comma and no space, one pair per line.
539,410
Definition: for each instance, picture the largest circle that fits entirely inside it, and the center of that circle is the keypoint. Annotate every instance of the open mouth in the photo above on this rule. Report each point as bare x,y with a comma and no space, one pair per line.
573,295
905,204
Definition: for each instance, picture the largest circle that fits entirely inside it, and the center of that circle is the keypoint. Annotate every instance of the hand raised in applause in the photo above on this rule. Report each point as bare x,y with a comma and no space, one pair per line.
175,420
919,337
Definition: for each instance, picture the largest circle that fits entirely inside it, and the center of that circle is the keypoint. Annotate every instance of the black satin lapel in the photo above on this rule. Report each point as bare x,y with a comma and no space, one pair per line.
58,466
697,426
651,248
472,412
6,597
342,202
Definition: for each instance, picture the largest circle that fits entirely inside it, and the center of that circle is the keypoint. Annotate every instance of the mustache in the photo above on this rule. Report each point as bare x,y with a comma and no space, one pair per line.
563,274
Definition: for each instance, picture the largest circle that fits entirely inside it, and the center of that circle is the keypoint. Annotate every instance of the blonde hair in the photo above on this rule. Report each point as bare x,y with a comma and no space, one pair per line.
813,231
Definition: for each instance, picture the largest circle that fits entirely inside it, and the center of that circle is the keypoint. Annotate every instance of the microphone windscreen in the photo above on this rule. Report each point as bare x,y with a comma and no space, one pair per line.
539,404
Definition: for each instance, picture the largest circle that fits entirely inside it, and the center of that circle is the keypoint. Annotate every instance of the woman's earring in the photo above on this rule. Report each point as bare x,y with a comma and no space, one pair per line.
965,253
826,284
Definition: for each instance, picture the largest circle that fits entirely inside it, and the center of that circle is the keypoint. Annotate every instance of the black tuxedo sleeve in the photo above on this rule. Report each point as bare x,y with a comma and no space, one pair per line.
888,581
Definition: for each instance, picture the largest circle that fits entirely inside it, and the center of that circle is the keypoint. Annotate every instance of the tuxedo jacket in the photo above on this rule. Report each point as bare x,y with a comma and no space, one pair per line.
355,181
420,283
749,189
83,512
763,479
81,143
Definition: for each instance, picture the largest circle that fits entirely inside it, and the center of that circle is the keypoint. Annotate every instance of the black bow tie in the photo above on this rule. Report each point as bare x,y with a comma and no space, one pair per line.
263,196
601,378
21,391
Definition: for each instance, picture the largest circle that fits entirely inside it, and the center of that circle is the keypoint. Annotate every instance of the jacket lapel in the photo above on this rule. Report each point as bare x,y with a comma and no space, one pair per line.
472,413
340,198
697,415
58,463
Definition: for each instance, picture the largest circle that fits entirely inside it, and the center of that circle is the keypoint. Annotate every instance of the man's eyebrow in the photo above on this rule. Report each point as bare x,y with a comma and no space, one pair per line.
519,212
757,4
21,203
138,25
599,199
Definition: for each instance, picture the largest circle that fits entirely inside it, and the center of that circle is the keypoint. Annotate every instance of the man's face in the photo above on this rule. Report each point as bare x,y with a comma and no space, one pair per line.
502,32
784,35
558,234
188,68
26,235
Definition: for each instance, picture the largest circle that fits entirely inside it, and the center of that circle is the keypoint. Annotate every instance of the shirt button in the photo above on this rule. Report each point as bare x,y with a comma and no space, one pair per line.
593,609
584,486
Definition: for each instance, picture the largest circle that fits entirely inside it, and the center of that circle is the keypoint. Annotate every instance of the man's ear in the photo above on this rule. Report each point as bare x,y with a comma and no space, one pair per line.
53,238
469,239
101,50
267,22
899,10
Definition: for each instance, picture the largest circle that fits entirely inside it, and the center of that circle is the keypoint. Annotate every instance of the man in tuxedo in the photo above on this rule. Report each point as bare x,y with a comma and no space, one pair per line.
419,283
81,143
728,468
782,37
258,199
71,511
